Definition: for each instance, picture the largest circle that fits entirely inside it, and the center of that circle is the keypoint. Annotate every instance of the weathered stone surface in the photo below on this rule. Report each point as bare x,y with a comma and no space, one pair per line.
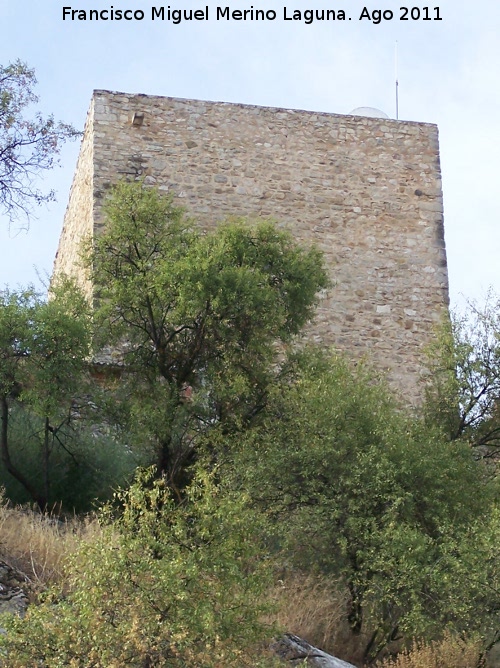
366,191
13,584
299,652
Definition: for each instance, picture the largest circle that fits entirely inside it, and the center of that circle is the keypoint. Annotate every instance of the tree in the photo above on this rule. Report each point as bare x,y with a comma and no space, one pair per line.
463,393
29,144
43,347
200,317
361,493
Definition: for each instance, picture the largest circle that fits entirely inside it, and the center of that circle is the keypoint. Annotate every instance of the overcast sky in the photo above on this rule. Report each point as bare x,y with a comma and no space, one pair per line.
449,74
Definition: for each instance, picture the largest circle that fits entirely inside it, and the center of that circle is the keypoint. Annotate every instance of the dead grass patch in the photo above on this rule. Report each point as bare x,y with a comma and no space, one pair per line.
38,544
311,607
449,652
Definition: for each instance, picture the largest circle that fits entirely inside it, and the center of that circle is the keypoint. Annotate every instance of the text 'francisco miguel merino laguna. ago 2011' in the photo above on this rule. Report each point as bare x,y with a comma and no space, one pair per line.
308,16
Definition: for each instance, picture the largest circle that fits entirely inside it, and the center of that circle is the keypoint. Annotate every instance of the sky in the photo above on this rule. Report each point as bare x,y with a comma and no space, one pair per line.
448,72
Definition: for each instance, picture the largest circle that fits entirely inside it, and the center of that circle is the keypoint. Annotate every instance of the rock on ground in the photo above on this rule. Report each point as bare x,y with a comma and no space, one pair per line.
295,651
13,598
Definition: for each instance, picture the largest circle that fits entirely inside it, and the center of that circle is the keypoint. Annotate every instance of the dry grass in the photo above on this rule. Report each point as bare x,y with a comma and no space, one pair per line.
449,652
310,607
315,609
38,544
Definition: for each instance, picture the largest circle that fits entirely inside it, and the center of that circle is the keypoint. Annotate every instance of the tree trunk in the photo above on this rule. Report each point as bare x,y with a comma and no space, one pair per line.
355,613
4,449
46,455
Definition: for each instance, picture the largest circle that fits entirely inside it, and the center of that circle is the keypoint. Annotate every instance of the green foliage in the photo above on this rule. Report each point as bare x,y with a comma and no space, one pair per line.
358,491
307,458
164,585
464,390
199,316
29,145
43,347
86,464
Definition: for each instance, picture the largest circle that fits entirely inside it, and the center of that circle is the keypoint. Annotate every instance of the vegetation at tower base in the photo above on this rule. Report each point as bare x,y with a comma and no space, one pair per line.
360,492
201,317
331,481
29,144
46,454
272,464
165,584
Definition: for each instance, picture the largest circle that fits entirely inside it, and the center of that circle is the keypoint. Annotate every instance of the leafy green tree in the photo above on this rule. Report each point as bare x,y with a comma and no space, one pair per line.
200,317
359,492
43,347
29,143
165,584
86,461
463,393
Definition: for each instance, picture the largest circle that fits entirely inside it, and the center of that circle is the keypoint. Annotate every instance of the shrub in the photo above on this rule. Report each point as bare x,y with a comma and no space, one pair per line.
449,652
85,466
360,492
165,584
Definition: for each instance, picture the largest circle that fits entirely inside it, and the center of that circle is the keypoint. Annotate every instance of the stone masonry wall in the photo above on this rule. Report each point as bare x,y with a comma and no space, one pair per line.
79,217
366,191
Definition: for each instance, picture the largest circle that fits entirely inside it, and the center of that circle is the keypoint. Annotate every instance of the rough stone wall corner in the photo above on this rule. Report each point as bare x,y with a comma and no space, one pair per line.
79,217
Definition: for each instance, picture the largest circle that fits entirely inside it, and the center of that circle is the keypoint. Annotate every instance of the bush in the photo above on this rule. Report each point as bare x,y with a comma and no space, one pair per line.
449,652
166,584
85,466
362,494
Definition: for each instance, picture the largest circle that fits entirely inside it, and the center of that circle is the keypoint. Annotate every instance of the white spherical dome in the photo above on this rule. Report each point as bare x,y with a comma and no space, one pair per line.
370,112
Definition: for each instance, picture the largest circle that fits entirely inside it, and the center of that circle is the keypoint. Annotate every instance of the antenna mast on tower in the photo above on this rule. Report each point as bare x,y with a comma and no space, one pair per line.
397,82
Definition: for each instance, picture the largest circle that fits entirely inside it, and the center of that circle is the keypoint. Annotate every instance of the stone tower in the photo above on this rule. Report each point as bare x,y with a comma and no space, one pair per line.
366,191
